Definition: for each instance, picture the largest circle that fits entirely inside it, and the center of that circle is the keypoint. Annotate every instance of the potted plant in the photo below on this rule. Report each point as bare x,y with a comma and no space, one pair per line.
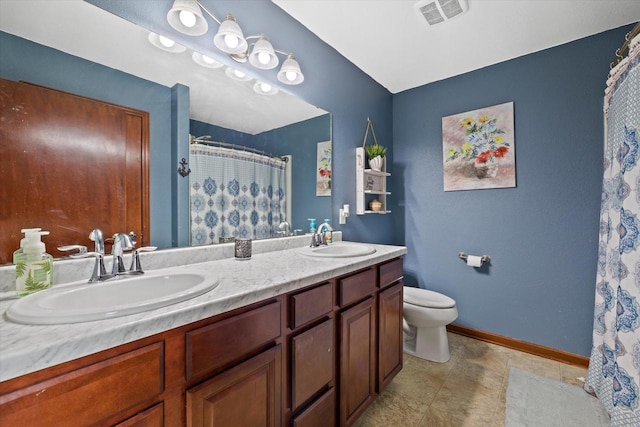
375,154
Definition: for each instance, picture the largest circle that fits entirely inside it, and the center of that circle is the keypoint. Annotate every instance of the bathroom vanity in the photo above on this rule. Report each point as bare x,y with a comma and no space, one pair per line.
284,340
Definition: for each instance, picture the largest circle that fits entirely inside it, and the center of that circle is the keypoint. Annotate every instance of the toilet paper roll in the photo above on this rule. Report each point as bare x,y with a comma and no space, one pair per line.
474,260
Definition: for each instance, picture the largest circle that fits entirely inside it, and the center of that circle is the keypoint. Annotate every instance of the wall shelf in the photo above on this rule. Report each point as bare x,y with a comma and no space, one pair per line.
370,185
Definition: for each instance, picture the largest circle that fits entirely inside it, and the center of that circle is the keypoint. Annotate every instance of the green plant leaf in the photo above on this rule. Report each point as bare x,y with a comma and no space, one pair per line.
375,150
21,267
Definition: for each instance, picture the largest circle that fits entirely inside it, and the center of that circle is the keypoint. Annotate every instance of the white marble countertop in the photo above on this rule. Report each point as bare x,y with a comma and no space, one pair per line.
28,348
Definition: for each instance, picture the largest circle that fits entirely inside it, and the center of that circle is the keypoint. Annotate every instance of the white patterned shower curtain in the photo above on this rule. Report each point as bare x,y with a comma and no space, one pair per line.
234,193
614,367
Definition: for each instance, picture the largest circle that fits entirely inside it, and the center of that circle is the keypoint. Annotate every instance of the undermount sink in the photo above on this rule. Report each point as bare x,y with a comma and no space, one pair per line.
339,250
124,295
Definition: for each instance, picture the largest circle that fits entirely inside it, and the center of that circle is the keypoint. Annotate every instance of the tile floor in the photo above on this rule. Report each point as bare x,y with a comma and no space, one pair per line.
467,391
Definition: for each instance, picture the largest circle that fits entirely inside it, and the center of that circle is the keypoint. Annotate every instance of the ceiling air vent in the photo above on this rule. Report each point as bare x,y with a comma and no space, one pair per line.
437,11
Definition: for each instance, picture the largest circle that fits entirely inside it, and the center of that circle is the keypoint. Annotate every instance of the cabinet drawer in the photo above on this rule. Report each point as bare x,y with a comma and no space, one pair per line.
231,340
310,305
312,359
356,287
390,272
320,414
152,417
91,394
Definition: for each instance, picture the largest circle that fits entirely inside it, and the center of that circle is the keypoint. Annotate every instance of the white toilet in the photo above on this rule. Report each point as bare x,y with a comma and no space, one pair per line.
426,315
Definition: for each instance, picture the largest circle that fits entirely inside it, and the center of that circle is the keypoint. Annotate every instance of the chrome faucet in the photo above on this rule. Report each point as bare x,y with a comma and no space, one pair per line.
99,271
121,242
318,239
97,238
284,229
136,267
323,229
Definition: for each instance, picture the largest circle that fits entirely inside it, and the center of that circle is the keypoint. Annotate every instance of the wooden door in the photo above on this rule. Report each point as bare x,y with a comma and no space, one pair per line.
70,164
244,396
357,360
390,336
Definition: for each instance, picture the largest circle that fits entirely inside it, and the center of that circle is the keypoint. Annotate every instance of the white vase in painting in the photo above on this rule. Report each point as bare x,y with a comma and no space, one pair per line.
376,163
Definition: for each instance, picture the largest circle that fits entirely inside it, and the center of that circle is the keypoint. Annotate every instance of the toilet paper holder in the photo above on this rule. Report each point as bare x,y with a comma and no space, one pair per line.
484,258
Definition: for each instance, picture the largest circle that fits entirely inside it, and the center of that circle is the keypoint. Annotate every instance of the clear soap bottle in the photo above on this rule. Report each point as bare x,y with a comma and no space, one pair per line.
34,266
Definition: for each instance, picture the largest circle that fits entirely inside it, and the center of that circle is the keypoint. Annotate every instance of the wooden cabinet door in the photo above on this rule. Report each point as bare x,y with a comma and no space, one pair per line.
70,164
312,360
357,360
389,334
246,395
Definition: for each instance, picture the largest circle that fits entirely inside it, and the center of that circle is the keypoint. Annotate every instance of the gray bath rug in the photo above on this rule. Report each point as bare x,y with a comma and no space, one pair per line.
535,401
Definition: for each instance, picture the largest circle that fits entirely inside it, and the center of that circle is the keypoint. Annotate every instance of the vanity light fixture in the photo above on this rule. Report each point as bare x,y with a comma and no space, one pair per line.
290,71
263,56
186,17
229,37
165,43
264,88
237,75
205,61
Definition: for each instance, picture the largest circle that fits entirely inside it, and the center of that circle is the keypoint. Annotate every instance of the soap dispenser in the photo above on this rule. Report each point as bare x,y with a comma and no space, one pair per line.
18,254
34,266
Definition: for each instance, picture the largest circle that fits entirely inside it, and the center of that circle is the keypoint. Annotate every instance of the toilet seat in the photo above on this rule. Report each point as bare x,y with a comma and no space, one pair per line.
426,298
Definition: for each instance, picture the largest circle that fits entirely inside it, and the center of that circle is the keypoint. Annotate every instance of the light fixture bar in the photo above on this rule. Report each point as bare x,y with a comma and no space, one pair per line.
186,15
208,13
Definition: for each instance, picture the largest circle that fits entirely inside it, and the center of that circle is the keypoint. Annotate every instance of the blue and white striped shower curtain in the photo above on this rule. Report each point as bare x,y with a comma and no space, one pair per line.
614,367
234,193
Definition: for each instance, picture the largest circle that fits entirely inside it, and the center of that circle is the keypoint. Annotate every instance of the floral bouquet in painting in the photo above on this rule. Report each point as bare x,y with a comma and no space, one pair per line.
325,173
484,141
323,178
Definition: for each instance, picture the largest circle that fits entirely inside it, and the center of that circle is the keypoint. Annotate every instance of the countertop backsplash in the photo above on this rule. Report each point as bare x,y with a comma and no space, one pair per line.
72,270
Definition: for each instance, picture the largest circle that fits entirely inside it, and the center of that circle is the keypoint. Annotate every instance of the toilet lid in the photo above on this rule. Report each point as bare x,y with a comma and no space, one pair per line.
425,298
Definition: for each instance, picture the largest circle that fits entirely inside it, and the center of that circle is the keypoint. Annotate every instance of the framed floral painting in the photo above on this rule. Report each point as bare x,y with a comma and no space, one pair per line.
323,174
479,149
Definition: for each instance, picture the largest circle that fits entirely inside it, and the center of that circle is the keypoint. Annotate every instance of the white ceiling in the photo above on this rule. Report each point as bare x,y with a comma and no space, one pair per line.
86,31
394,45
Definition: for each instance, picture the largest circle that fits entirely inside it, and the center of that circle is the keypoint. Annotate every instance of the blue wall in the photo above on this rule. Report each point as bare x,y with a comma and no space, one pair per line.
35,63
542,236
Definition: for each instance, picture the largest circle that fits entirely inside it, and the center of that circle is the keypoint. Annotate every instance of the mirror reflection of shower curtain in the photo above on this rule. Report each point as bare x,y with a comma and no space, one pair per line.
234,193
614,366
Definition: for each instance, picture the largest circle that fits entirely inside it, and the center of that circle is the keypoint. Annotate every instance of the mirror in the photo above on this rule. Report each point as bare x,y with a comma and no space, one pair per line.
82,30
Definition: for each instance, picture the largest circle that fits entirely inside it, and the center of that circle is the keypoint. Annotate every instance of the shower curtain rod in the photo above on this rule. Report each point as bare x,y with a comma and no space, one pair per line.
624,49
206,141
